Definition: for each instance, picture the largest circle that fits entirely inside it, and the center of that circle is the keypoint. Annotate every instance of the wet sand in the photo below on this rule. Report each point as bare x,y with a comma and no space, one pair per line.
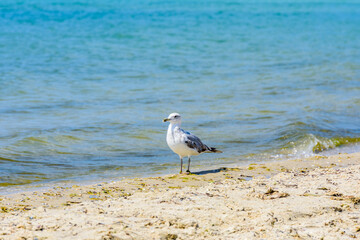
314,198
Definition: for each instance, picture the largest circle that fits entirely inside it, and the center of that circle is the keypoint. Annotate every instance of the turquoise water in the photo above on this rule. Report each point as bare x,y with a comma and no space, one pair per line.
85,84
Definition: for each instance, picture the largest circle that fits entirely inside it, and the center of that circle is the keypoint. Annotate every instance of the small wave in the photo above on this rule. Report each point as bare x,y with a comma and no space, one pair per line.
2,159
141,137
326,144
34,139
67,138
311,144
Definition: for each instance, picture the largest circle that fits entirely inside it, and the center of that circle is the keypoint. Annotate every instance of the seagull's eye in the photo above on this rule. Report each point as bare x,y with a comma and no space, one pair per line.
176,116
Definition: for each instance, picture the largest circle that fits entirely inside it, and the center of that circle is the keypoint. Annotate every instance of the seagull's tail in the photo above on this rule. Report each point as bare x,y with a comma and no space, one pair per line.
214,150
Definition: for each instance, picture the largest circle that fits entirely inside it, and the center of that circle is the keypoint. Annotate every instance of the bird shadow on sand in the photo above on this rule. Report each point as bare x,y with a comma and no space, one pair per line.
223,169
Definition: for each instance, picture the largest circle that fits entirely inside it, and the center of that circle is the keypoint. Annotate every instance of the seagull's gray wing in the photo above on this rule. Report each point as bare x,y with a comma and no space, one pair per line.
194,142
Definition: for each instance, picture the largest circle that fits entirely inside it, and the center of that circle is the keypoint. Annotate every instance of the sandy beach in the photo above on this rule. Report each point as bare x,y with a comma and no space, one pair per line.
314,198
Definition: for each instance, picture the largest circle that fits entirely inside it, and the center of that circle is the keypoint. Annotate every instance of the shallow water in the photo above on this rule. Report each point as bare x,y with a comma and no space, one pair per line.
85,84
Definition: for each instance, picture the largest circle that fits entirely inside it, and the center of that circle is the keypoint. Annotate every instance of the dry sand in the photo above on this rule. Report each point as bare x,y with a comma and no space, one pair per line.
315,198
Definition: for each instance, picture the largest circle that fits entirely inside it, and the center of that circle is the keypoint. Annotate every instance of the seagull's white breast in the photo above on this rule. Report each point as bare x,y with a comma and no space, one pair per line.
175,139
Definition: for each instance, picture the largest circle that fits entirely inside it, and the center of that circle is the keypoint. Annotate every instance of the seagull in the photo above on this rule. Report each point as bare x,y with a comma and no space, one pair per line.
182,142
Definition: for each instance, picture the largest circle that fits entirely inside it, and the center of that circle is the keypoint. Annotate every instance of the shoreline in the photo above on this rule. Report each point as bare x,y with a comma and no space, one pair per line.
124,204
41,187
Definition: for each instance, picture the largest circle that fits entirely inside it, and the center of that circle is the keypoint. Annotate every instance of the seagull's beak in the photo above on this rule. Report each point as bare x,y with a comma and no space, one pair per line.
166,119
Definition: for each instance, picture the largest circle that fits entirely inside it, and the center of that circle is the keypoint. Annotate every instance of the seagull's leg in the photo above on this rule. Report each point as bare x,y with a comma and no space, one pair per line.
188,170
181,163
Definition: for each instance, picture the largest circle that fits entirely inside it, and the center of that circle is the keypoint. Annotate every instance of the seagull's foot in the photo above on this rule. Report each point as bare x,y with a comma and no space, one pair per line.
180,172
188,172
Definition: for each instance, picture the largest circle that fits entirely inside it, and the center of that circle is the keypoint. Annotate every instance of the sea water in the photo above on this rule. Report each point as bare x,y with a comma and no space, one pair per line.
85,84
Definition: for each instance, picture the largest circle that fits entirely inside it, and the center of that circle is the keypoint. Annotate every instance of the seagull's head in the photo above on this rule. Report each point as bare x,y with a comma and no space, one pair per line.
173,118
